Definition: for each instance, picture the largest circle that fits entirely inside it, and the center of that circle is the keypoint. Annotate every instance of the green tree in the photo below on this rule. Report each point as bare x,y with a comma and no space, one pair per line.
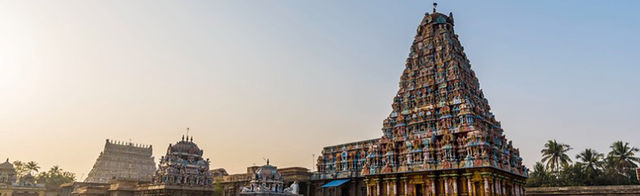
21,168
571,175
538,177
555,155
32,166
55,177
622,155
217,189
590,164
590,159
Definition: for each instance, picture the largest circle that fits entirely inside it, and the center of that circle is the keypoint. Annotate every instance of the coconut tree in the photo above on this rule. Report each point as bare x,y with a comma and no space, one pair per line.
32,166
21,168
622,155
555,155
590,165
590,160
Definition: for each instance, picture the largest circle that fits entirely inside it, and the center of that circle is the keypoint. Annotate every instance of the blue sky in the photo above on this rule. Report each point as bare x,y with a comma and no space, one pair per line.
282,79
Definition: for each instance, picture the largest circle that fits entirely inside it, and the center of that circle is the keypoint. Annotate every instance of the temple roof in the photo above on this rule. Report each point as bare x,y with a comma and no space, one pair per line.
6,165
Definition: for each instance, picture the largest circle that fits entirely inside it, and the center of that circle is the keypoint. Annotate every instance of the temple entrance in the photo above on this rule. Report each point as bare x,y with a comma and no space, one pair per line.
344,191
418,188
476,188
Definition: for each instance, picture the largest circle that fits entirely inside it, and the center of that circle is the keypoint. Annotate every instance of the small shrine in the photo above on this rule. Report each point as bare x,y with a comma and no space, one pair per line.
267,181
7,173
12,185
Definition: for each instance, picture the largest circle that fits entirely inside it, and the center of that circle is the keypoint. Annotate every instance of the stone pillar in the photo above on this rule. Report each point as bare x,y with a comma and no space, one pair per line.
469,187
486,186
433,187
446,186
388,187
377,188
406,187
395,187
495,187
455,186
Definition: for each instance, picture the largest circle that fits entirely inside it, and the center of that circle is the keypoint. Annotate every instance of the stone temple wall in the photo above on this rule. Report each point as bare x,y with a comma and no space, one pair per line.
585,190
123,161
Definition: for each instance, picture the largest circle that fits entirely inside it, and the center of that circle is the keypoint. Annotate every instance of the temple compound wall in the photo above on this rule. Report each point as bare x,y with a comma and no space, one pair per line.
584,190
440,138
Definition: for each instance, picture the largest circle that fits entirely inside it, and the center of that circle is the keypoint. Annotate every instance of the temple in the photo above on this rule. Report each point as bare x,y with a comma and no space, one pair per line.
12,185
440,138
122,161
182,171
267,181
248,183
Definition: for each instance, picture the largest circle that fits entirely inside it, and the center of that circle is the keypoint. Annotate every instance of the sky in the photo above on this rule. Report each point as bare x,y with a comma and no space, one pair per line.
280,79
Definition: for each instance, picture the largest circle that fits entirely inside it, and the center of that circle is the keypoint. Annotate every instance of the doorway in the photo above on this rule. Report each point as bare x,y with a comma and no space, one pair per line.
418,188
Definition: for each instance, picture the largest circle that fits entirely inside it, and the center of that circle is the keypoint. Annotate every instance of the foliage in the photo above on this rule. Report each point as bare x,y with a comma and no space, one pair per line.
555,155
21,168
218,189
591,169
55,177
622,156
32,166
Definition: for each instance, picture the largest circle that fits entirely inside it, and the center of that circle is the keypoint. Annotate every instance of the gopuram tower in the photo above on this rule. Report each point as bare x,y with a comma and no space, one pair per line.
123,161
440,138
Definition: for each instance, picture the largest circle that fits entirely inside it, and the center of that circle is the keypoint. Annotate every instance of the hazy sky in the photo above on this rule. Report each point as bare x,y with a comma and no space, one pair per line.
282,79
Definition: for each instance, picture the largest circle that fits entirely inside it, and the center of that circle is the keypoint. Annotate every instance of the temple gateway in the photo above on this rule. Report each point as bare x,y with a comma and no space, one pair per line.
123,161
440,138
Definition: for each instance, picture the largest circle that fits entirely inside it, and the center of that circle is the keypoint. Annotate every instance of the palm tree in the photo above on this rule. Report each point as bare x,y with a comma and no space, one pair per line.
555,154
622,155
21,168
32,166
590,159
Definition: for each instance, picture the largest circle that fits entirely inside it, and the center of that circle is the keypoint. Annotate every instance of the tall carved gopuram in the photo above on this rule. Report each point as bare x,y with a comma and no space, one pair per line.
440,138
123,161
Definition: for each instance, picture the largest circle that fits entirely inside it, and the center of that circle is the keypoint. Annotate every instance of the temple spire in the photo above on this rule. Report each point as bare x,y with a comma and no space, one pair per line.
434,7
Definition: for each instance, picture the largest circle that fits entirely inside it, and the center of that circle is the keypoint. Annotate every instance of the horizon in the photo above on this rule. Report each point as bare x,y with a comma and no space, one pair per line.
317,74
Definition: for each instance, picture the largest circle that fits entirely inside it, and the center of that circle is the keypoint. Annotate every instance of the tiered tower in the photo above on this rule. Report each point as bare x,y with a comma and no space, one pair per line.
441,137
123,161
267,181
183,165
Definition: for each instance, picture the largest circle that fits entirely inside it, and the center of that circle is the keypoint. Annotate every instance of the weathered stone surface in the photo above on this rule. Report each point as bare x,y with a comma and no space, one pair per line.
585,190
123,160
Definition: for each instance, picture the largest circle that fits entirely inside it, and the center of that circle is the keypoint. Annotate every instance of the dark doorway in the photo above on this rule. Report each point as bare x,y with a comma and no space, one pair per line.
418,189
344,191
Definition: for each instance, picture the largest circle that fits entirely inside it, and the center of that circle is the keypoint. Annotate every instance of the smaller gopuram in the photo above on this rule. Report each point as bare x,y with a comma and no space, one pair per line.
267,181
233,184
123,161
182,171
